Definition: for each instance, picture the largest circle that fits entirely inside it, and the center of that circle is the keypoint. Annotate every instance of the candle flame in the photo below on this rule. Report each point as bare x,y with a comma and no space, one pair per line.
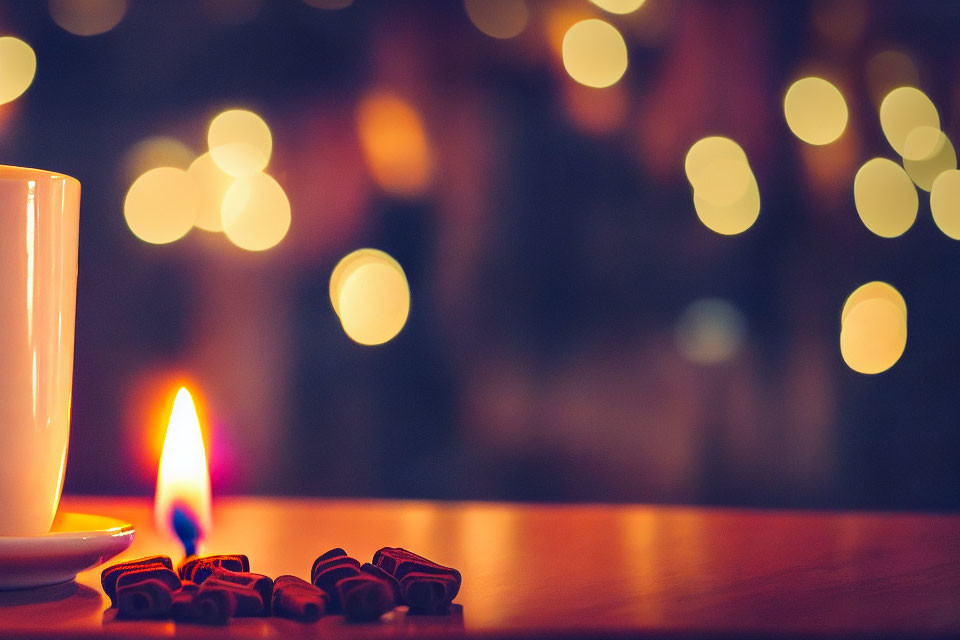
182,505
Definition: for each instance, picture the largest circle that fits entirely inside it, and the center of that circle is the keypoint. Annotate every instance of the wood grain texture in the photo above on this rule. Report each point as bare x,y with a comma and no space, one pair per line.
569,570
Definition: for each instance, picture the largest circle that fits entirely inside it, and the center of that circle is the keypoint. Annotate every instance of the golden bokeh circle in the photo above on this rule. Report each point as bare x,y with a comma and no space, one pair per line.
815,110
945,203
349,263
161,205
731,219
706,151
885,198
240,142
875,289
873,336
594,53
18,66
255,212
903,110
370,294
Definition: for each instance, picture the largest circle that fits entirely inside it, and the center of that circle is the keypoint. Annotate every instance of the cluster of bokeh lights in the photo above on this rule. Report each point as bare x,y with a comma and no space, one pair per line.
226,190
726,198
222,190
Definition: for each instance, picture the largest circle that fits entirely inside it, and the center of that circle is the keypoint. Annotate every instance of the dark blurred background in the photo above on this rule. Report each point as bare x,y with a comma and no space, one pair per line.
550,243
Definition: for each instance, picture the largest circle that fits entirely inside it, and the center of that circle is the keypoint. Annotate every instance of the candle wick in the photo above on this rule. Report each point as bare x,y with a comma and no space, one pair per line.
186,530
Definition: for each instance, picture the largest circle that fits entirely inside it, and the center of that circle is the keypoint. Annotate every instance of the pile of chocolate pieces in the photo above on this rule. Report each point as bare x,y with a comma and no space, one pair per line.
214,589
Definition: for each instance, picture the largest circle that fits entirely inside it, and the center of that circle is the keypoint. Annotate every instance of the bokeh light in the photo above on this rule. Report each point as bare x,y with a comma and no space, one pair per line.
885,197
710,331
352,261
924,172
725,192
370,293
594,53
240,142
87,17
723,181
255,213
815,110
394,142
945,203
873,333
731,219
903,110
619,6
161,205
212,184
870,290
888,70
707,150
498,18
18,65
923,143
158,151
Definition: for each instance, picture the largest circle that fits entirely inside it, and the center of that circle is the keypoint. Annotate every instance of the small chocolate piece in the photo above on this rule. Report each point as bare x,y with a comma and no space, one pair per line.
145,599
249,603
150,572
428,593
434,586
108,578
260,583
377,572
327,578
199,568
399,562
298,599
364,598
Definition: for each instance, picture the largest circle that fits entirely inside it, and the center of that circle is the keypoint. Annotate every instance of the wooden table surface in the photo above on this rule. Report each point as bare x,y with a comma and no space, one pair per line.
569,570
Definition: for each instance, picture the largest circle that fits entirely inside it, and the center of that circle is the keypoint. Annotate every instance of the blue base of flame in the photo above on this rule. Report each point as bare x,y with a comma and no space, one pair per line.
186,529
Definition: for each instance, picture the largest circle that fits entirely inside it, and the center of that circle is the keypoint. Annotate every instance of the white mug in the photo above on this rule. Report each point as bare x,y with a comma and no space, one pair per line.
39,217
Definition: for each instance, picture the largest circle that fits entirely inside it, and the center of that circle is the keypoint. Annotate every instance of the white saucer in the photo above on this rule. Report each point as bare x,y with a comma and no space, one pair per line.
77,542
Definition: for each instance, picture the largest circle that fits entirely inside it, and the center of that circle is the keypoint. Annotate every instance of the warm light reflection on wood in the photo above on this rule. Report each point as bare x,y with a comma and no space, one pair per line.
603,568
489,530
639,535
